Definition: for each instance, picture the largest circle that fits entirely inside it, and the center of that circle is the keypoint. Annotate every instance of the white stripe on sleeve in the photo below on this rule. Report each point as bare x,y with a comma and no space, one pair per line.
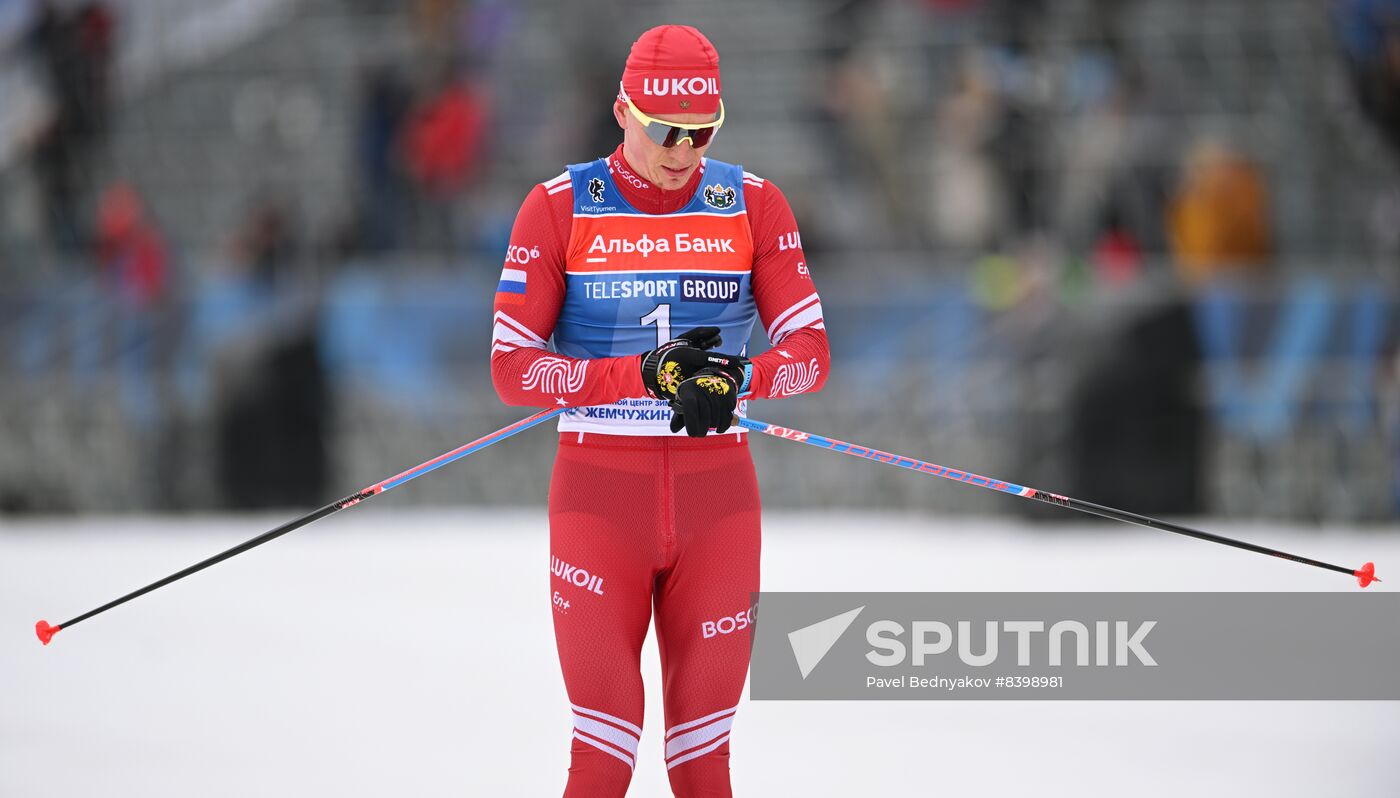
810,316
509,332
781,320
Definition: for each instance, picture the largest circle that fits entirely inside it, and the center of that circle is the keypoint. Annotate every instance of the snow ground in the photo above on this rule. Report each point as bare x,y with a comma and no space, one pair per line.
391,652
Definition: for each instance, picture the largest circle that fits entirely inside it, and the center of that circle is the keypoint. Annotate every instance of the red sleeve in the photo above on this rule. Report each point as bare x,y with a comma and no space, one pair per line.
523,368
787,300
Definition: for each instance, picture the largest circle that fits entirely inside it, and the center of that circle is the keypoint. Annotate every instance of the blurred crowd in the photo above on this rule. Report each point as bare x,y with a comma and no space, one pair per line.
1016,135
1037,153
423,127
1028,140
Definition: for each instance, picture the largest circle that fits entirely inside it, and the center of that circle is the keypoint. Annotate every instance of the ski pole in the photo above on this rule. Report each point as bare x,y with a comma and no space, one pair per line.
1365,575
46,632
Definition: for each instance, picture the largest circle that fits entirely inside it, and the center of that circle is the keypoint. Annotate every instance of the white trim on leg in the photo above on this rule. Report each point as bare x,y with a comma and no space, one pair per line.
613,719
608,733
698,752
605,748
680,727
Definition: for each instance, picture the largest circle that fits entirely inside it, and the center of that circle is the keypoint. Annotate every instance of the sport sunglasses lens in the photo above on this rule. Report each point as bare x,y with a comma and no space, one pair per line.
668,136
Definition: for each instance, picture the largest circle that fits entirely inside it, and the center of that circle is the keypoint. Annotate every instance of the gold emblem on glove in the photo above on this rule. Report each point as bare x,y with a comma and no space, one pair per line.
713,384
669,377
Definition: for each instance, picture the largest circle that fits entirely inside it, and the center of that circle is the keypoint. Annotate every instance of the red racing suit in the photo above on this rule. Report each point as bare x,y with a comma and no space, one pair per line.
603,267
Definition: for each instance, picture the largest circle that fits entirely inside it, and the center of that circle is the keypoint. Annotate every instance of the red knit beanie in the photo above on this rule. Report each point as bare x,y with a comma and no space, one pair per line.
672,69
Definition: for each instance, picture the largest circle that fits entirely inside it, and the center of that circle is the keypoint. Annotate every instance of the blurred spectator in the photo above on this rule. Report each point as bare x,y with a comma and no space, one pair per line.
859,102
95,28
1219,218
1022,82
442,142
856,109
443,137
132,257
76,49
1136,427
130,251
272,401
1117,255
266,245
384,102
271,419
967,202
1370,35
1099,144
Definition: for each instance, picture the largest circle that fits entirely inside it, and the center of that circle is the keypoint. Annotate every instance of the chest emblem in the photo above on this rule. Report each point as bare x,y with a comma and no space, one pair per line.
595,189
719,197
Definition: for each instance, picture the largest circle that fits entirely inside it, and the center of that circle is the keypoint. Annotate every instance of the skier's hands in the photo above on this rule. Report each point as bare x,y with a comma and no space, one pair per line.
667,366
703,387
705,401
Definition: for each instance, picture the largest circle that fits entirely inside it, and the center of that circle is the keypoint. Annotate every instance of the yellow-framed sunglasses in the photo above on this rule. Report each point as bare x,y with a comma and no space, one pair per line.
669,134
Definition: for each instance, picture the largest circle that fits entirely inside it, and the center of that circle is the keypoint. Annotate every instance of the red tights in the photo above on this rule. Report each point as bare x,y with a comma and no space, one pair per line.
643,523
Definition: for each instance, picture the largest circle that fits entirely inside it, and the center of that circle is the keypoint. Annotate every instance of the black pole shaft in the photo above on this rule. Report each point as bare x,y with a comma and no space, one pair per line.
252,543
46,632
1134,518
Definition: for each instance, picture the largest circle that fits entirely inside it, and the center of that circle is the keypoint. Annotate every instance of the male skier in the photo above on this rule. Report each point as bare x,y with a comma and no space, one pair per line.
652,501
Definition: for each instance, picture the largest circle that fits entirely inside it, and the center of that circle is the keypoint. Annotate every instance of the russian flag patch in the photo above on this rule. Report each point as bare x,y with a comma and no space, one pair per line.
511,289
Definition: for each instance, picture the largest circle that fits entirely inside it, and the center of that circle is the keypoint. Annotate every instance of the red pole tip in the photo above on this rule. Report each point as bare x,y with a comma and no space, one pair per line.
1366,574
45,631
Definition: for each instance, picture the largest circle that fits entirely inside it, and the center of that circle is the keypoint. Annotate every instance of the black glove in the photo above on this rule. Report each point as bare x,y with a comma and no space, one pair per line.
667,366
707,400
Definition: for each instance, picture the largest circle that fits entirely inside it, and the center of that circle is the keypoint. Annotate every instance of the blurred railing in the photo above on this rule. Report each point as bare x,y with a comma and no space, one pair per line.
1276,399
